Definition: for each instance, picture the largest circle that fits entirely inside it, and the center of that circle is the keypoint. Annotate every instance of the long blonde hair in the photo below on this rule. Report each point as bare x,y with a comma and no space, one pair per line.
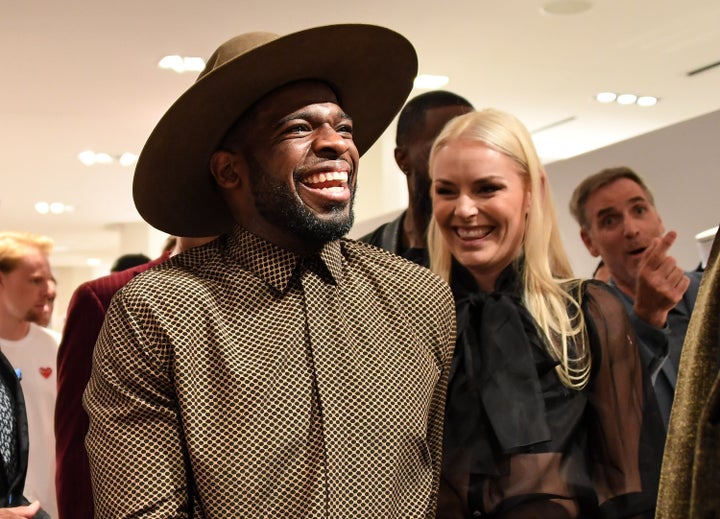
547,275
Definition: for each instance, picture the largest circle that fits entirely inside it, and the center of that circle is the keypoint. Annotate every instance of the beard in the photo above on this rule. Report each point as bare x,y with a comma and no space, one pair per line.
33,315
281,206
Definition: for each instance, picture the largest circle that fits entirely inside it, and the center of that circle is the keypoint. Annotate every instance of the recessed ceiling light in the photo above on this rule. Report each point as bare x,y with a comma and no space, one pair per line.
93,262
430,81
90,158
626,99
87,157
182,64
606,97
647,101
103,158
53,207
564,7
127,159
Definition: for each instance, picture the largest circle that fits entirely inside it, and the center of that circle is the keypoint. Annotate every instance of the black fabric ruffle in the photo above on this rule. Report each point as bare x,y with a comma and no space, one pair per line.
495,404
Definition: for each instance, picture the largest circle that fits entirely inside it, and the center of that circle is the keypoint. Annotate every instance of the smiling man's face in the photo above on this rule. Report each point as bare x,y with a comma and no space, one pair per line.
621,224
300,164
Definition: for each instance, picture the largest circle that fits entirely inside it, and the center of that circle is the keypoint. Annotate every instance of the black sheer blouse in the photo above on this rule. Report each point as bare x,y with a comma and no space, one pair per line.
520,444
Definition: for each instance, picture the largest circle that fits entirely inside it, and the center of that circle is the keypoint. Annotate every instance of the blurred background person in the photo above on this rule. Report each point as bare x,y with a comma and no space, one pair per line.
620,223
127,261
549,413
31,349
45,317
419,122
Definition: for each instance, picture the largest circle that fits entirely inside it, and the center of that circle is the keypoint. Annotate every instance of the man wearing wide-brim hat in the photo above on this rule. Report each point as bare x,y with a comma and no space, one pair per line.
280,370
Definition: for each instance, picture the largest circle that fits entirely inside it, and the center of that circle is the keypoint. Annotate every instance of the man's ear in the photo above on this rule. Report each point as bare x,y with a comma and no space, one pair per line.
588,243
223,166
401,160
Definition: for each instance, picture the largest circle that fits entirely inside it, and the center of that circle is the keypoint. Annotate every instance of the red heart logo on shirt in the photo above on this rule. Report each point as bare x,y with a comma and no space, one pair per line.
46,372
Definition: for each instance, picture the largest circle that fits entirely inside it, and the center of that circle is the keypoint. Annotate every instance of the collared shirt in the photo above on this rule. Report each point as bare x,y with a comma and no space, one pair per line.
242,380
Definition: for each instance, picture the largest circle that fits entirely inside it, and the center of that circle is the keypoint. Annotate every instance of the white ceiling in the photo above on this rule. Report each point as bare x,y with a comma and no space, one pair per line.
82,74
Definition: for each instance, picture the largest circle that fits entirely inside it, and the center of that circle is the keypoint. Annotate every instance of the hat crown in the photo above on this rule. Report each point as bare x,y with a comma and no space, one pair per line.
235,47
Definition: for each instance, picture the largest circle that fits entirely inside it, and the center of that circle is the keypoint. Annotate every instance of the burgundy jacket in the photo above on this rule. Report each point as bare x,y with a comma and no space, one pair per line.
85,316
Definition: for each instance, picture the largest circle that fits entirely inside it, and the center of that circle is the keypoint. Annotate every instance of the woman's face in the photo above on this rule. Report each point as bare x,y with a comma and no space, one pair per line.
480,202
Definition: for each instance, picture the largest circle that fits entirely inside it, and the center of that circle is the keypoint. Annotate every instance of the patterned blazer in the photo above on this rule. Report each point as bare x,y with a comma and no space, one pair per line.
689,485
85,316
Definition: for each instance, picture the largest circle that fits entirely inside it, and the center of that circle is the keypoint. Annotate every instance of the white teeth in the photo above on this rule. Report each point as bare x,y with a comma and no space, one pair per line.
324,177
473,232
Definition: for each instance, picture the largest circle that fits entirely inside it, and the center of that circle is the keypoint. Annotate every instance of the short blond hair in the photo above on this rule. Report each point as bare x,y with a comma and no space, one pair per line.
14,245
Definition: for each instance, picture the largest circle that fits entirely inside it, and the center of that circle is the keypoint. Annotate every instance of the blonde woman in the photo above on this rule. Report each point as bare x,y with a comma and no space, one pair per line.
549,413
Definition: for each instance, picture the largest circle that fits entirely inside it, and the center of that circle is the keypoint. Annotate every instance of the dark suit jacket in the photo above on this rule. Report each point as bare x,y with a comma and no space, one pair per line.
85,316
689,483
11,492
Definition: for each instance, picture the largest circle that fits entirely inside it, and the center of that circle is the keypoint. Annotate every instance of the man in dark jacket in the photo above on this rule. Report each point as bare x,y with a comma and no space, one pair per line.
13,447
419,123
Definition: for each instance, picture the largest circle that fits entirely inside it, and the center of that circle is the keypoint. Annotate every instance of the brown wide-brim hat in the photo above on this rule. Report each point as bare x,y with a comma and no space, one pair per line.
371,70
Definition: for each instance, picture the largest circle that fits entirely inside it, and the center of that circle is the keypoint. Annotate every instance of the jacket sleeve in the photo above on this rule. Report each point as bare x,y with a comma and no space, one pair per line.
134,441
72,477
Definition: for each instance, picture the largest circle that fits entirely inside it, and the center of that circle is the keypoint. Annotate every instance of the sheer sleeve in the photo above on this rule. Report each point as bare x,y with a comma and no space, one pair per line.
626,430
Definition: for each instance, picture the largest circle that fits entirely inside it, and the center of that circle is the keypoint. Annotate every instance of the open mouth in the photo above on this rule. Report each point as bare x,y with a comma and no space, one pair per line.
637,252
325,190
333,180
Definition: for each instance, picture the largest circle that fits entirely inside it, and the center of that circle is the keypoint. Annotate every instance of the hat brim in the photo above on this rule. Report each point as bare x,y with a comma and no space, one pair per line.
370,68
